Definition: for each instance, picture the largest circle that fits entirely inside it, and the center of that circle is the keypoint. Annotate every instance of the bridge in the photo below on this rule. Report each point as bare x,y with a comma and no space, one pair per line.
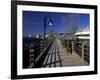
72,50
56,54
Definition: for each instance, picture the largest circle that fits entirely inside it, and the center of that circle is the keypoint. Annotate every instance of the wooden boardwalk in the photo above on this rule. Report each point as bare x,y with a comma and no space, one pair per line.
57,56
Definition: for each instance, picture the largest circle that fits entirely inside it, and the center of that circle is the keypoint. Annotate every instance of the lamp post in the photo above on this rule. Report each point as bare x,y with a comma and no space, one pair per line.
47,21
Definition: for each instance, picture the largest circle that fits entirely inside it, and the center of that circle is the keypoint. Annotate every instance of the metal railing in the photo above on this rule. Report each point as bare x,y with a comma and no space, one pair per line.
81,48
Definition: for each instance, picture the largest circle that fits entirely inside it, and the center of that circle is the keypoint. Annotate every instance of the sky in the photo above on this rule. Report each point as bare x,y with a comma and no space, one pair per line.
33,22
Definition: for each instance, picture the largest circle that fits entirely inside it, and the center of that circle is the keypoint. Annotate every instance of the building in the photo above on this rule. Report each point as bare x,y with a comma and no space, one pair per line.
83,33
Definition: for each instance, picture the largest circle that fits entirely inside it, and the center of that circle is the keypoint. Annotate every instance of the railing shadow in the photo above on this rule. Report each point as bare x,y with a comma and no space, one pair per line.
53,53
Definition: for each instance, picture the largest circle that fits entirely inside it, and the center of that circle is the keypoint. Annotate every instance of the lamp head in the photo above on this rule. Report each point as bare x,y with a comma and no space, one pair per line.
50,23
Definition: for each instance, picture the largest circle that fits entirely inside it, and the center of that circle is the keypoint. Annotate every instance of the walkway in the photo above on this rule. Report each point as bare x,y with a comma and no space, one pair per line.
57,56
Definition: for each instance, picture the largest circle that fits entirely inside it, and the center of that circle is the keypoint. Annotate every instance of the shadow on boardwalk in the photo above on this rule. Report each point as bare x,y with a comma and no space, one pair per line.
57,56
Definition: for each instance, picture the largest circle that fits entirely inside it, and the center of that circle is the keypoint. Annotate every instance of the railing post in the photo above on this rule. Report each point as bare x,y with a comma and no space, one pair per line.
31,56
67,44
72,46
82,53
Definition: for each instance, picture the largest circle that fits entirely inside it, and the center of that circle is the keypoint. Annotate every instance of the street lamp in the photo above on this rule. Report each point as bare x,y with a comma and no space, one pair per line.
47,21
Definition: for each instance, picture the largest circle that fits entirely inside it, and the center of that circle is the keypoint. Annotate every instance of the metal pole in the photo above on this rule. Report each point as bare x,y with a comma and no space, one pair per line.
44,27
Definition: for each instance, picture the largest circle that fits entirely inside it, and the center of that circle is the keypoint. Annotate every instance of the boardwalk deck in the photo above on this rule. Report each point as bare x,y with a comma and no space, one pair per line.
57,56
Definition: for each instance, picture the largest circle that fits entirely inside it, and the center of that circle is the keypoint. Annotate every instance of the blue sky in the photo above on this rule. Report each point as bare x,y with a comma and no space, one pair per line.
33,22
